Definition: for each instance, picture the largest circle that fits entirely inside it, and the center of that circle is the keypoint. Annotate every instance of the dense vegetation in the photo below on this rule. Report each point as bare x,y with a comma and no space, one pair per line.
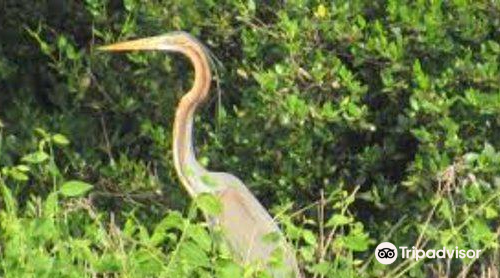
354,122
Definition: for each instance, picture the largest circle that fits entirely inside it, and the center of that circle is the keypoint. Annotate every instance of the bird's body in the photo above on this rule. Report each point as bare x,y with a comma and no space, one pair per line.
244,221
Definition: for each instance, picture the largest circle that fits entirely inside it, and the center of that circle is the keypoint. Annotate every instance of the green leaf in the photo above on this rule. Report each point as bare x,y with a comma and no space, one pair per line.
322,268
23,168
18,175
193,254
228,269
199,235
251,5
50,206
357,240
40,131
10,204
209,204
445,209
109,263
75,188
146,262
296,106
62,42
321,11
420,77
479,231
309,237
172,220
130,5
36,157
338,220
490,212
60,139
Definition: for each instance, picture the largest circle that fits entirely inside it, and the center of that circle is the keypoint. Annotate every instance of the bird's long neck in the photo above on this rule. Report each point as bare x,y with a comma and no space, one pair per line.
186,165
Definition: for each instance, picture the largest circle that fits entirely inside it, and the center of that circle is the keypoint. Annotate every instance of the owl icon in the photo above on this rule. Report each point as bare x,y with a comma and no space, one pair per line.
386,253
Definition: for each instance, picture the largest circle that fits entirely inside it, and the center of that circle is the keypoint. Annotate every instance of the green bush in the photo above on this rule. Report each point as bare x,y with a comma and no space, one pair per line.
356,122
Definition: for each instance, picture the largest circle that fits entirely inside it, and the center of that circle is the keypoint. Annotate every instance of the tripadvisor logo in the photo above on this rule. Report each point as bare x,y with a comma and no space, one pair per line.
387,253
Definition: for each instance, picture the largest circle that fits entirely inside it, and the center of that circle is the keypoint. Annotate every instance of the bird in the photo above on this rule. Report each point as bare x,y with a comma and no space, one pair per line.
246,225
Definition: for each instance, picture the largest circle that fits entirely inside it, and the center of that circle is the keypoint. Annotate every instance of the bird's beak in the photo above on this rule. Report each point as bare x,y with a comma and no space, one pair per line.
151,43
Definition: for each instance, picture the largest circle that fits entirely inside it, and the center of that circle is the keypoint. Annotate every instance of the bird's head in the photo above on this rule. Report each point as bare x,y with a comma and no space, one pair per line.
174,41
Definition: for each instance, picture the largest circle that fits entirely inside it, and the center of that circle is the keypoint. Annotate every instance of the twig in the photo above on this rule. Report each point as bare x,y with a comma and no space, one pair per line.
106,139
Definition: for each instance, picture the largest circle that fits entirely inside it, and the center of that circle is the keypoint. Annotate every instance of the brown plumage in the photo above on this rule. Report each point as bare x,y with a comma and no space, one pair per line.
244,220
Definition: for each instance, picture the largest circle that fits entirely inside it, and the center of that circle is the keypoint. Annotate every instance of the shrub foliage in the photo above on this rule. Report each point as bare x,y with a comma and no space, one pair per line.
355,122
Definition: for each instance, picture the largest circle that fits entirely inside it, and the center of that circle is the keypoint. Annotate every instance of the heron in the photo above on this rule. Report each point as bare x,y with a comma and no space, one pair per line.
244,221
